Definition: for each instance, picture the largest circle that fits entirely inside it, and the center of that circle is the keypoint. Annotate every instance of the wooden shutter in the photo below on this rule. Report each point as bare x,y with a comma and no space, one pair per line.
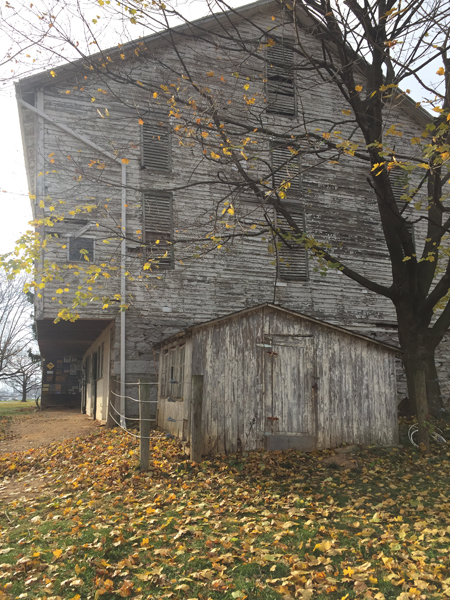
156,145
292,257
158,225
397,178
285,165
280,80
80,249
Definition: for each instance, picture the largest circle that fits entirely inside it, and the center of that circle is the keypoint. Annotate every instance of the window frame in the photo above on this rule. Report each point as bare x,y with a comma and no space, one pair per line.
173,367
81,259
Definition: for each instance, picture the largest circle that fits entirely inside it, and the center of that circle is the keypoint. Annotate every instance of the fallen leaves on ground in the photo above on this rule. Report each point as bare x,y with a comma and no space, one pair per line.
259,525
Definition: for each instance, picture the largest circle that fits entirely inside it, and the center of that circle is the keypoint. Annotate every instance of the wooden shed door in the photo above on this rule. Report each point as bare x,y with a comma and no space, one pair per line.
290,396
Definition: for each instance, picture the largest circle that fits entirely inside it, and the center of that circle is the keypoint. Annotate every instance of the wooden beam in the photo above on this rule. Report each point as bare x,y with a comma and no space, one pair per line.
196,423
144,423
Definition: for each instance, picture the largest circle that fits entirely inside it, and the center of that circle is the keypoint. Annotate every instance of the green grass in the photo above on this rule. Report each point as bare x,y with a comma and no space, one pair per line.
9,409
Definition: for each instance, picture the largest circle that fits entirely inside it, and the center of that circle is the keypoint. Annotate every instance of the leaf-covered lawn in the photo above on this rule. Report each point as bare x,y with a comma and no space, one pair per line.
262,526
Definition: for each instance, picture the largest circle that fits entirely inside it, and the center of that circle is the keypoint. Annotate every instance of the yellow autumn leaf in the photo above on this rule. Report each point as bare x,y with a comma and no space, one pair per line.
57,553
205,134
125,161
52,73
141,122
440,71
230,211
346,112
155,94
210,73
358,88
214,155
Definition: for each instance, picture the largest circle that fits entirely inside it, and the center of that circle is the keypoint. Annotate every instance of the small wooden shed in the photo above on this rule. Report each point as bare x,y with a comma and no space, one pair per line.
275,379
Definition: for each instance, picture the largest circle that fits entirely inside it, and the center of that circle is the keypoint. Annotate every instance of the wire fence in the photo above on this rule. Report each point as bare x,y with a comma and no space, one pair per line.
127,431
124,418
135,399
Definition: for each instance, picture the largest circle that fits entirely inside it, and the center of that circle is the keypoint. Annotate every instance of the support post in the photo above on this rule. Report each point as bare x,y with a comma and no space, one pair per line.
196,418
144,424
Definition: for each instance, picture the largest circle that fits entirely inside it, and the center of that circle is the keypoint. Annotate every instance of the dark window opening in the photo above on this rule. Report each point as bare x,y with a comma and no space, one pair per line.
81,249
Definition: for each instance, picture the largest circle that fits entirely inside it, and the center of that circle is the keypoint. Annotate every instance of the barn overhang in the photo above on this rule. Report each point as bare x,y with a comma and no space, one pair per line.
68,338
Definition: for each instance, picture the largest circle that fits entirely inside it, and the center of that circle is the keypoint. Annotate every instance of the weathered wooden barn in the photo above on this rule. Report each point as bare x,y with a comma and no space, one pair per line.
276,379
108,172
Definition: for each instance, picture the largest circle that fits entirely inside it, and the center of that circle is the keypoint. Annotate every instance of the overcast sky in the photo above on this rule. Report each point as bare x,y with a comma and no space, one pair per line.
15,206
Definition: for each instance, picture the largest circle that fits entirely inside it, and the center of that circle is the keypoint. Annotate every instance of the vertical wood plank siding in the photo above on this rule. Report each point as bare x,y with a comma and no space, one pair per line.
355,399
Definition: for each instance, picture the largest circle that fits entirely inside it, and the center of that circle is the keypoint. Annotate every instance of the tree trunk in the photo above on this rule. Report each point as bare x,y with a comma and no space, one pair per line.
24,390
434,396
417,390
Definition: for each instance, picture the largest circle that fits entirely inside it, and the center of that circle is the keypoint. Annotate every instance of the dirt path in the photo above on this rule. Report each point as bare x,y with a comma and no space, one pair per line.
35,430
41,428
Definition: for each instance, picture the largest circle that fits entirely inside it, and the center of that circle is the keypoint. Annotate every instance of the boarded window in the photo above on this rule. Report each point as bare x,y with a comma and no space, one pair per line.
81,248
398,179
292,257
158,228
280,80
156,145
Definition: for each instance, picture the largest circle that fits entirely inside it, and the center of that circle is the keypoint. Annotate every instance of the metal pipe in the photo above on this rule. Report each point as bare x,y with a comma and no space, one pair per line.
123,246
123,265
